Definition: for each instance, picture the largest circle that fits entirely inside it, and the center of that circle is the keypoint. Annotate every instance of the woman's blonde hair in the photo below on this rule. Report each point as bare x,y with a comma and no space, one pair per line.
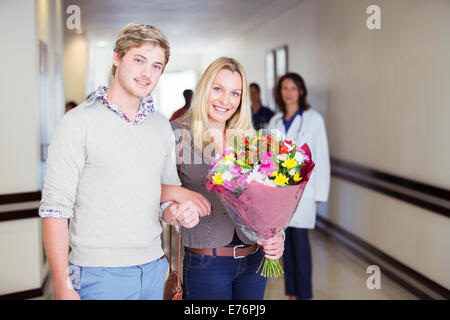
135,35
197,116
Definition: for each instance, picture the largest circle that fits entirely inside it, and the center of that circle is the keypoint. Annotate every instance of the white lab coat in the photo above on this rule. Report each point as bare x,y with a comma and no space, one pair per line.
313,133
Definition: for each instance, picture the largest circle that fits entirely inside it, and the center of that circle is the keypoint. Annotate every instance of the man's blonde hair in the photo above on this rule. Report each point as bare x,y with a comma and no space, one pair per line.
135,35
197,116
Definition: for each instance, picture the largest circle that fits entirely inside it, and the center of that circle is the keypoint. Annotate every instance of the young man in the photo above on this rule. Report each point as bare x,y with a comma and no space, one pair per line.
106,164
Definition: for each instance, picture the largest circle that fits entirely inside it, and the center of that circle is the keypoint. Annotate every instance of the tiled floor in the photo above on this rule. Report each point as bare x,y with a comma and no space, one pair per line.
339,275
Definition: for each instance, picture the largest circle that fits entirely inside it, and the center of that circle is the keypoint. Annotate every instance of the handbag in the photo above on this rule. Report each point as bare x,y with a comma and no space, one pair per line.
173,287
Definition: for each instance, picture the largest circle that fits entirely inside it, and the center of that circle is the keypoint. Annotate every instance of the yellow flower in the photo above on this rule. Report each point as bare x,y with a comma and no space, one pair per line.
228,158
289,163
297,178
281,180
217,178
274,174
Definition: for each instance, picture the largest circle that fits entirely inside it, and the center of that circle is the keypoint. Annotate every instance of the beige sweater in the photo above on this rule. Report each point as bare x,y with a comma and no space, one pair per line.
106,174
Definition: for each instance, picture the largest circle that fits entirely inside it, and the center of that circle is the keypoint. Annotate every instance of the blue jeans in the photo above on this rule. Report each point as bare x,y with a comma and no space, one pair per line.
142,282
297,263
222,278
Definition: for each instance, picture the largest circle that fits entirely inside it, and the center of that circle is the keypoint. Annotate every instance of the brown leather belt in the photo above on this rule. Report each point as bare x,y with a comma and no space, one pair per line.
239,251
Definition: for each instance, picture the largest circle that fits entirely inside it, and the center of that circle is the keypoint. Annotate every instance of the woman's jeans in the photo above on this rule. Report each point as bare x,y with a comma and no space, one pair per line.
141,282
223,278
297,263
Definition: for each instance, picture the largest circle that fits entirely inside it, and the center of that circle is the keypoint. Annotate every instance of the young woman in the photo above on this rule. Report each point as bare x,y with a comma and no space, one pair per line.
220,262
299,123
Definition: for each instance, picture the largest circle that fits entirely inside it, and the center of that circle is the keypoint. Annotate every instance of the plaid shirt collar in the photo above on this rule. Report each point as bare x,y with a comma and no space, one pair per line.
146,105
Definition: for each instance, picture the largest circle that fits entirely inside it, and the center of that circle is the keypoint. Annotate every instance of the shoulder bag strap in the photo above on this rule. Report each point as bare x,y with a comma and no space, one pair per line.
179,226
170,226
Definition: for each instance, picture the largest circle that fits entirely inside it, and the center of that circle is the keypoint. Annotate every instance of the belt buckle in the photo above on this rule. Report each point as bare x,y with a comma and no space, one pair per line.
234,251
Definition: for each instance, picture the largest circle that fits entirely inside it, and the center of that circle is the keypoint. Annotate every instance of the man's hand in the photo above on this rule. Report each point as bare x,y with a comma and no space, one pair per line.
170,214
185,214
274,247
198,200
181,195
66,294
188,214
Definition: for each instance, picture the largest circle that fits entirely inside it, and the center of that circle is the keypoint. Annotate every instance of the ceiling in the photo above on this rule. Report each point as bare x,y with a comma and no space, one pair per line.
190,25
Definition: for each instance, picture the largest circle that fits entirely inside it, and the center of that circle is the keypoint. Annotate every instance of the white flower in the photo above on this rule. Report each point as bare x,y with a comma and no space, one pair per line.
282,157
260,178
255,176
227,176
299,157
292,171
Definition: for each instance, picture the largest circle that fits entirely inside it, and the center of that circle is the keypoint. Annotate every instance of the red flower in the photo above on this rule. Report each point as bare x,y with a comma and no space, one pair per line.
284,149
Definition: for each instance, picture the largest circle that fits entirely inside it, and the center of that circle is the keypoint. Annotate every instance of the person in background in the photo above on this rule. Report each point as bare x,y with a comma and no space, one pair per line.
220,262
187,94
70,105
261,115
299,123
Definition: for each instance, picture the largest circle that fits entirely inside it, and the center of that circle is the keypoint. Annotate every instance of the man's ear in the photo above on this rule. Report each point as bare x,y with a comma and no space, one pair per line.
116,59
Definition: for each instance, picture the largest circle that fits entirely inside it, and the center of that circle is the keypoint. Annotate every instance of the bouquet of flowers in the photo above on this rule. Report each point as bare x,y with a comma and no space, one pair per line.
260,181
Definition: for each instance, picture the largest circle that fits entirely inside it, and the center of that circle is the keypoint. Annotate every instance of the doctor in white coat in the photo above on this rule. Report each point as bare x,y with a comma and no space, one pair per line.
299,123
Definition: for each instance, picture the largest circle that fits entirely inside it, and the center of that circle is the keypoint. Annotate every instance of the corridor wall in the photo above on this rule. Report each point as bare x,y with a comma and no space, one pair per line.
385,99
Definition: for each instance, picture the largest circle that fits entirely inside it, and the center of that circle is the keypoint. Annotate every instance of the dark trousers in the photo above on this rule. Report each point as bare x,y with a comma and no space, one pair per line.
222,278
297,263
